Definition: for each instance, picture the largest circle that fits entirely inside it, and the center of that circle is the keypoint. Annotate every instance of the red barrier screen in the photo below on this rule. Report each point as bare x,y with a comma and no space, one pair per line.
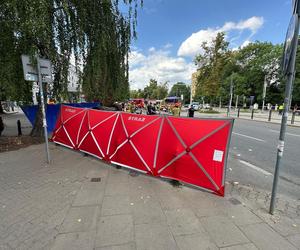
185,149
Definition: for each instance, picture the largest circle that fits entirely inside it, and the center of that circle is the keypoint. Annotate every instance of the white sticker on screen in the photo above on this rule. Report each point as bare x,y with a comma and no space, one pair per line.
218,155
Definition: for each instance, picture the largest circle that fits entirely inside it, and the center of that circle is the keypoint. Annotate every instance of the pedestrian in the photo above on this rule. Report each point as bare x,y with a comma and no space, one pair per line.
191,111
176,111
281,107
1,125
151,109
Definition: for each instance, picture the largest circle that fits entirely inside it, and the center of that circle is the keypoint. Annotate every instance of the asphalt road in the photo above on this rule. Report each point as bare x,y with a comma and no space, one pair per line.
252,157
253,152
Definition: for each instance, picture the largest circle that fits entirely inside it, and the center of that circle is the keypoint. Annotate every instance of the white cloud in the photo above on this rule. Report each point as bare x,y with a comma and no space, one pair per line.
159,65
192,45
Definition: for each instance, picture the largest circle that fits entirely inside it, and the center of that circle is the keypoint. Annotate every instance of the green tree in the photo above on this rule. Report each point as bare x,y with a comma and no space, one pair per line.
95,32
179,89
155,90
255,61
211,64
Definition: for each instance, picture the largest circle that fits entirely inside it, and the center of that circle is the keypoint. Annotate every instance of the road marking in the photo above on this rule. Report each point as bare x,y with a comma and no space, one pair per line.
255,168
275,131
250,137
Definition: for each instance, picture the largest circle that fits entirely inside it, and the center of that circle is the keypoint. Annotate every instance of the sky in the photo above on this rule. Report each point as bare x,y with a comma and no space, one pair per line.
170,33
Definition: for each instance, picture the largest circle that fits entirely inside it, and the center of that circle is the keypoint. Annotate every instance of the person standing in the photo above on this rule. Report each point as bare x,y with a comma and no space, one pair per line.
191,111
176,111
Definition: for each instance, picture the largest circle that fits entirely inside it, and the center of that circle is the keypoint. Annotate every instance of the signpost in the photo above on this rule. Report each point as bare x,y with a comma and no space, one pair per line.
39,73
288,70
231,95
264,94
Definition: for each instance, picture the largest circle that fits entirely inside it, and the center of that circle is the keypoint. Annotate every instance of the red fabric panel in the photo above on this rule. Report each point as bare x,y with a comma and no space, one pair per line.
184,149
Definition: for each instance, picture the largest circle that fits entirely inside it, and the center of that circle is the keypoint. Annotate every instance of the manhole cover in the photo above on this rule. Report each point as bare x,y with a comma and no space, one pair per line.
234,201
97,179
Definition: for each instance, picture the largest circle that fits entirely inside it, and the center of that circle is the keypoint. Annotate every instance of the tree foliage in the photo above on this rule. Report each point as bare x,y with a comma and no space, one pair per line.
95,32
179,89
247,67
153,90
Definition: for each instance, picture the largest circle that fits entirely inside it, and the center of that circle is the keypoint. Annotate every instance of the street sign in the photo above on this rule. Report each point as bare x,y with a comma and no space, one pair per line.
296,7
288,48
30,70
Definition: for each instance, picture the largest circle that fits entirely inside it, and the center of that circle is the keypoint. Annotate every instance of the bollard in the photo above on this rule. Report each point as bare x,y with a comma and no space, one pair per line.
252,113
238,114
19,128
293,117
270,115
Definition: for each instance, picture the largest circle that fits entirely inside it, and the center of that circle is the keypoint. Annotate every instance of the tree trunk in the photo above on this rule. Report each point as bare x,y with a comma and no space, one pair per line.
38,130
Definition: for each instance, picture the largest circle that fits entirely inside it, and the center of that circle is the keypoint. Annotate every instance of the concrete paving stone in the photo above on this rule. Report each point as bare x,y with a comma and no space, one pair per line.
265,238
117,175
116,204
117,188
99,171
114,230
241,215
147,210
249,246
222,230
129,246
91,193
154,237
197,241
183,221
281,224
80,219
169,202
295,240
75,241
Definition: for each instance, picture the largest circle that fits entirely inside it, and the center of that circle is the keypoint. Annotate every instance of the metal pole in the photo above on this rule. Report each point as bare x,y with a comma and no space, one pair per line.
236,102
270,115
191,95
264,94
252,113
293,117
43,109
230,100
288,91
238,114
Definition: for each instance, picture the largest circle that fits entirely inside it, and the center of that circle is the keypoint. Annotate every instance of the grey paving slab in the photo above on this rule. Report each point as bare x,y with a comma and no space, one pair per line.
183,221
154,237
80,219
195,242
265,238
281,224
170,202
129,246
249,246
114,230
90,193
117,188
295,240
241,215
223,231
147,210
116,204
101,170
75,241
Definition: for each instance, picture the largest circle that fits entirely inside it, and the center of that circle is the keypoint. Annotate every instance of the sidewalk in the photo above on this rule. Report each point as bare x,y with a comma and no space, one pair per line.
10,123
59,207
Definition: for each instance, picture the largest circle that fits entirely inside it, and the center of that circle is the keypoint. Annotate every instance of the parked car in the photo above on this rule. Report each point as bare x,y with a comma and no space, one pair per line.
196,105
